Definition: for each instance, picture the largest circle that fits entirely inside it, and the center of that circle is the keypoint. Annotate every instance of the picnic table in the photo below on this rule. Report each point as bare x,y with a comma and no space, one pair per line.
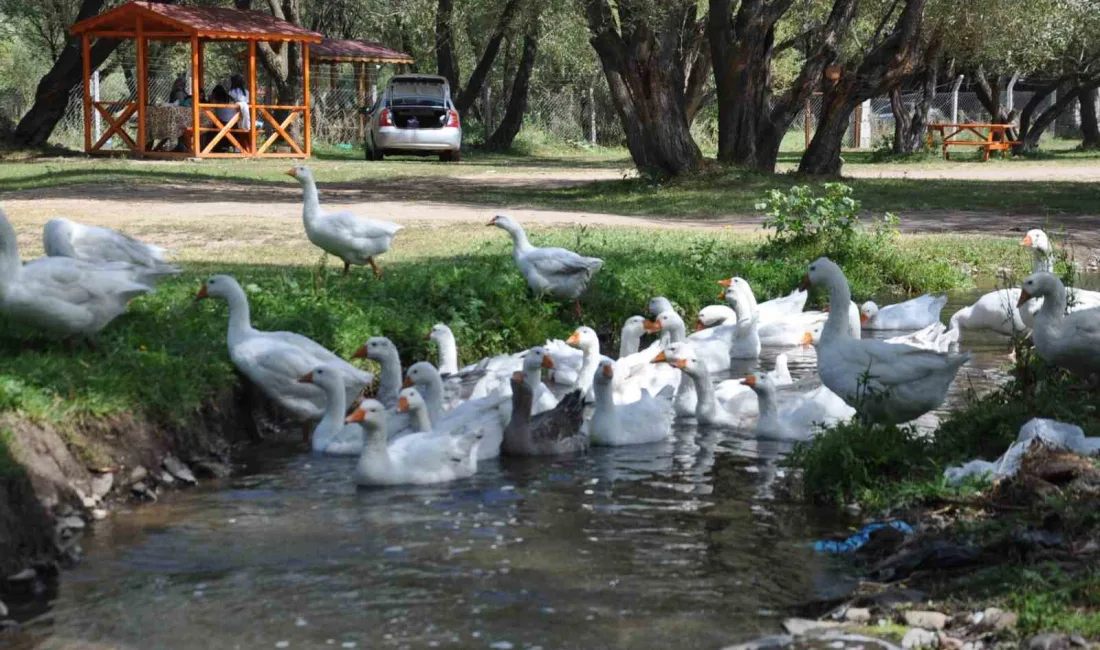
991,137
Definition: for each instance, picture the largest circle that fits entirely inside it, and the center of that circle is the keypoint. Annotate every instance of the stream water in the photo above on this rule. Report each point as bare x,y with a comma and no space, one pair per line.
681,543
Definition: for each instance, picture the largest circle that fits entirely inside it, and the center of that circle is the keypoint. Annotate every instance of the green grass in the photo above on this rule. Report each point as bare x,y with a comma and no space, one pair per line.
167,355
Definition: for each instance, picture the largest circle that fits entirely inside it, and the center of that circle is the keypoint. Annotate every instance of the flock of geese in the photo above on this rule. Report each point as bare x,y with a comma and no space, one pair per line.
434,423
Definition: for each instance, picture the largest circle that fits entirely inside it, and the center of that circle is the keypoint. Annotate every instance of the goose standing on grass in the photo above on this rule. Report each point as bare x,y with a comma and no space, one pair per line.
550,433
63,296
275,360
557,272
646,420
1072,340
416,459
65,238
914,314
332,435
355,240
885,382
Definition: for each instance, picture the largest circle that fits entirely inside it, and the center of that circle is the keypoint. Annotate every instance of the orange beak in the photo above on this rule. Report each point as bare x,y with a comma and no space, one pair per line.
652,326
722,296
403,404
1024,297
699,325
202,293
408,383
682,364
808,338
357,416
547,362
725,283
608,371
660,358
826,309
749,381
517,377
306,378
292,172
492,222
805,284
863,318
361,353
1026,241
574,338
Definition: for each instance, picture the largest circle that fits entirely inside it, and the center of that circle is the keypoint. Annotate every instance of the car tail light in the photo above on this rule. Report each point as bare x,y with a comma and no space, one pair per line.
452,118
384,118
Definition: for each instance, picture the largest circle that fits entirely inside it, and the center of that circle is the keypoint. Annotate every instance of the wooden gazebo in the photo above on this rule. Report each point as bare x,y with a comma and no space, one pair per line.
149,21
360,55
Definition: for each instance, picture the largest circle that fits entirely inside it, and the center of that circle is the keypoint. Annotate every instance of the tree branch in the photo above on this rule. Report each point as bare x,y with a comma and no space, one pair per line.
477,79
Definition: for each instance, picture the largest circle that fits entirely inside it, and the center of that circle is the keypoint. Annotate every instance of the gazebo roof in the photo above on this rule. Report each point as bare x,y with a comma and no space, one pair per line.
167,21
334,49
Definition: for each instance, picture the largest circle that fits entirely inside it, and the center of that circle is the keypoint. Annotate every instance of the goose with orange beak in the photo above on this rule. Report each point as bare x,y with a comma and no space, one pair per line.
487,415
416,459
644,421
798,415
914,314
588,342
1072,340
355,240
274,361
779,322
382,350
332,435
725,404
906,382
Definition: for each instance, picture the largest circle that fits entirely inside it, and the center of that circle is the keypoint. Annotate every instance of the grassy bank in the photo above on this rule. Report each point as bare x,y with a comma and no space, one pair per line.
167,354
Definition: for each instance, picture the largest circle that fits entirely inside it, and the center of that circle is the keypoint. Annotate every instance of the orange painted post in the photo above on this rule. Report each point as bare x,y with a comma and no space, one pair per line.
196,73
308,115
142,85
86,52
252,95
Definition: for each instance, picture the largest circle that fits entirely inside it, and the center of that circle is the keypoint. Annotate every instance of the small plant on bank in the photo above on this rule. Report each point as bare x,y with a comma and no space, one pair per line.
798,217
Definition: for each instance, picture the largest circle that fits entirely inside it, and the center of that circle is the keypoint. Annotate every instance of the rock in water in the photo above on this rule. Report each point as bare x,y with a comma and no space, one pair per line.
102,484
926,620
177,469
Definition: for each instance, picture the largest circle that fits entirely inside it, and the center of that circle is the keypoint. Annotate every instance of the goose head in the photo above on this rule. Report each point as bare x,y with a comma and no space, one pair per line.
667,321
219,286
536,359
605,372
584,338
327,377
370,413
678,355
659,304
421,374
633,326
760,384
713,315
867,311
1037,240
439,333
505,222
822,271
410,399
301,173
377,348
1038,285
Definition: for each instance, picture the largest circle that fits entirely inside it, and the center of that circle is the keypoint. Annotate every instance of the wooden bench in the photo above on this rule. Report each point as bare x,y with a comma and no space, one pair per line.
991,137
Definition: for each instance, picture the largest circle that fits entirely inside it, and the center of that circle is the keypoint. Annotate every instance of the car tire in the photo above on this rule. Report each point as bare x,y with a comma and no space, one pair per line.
450,156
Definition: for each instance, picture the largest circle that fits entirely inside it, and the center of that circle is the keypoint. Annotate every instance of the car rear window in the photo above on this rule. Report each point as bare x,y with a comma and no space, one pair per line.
417,93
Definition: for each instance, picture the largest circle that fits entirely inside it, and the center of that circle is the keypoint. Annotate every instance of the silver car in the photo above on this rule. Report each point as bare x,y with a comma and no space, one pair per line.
415,115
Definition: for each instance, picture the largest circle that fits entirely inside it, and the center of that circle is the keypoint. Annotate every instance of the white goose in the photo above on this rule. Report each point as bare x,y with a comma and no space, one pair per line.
799,414
487,415
588,342
557,272
771,310
355,240
935,337
65,238
634,370
886,382
914,314
1072,340
275,360
384,352
641,422
332,435
711,346
1042,252
60,295
780,322
725,404
416,459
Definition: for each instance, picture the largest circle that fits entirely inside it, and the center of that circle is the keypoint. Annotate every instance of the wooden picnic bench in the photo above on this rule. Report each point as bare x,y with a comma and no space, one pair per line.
991,137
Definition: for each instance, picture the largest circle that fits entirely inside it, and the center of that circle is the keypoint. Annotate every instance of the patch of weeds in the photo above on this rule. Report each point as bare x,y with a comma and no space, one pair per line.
1046,597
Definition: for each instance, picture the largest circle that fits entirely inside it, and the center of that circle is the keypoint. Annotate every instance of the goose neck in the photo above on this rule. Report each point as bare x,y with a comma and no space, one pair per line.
389,380
1042,261
1054,303
420,418
448,354
590,361
519,239
376,440
240,318
532,377
840,297
704,389
629,343
432,392
333,419
311,205
10,264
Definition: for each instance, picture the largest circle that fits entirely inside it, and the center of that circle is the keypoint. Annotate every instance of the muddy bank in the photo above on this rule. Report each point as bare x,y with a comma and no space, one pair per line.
64,477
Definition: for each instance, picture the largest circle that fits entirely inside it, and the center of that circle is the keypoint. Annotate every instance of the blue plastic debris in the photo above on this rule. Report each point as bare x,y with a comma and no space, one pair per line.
860,538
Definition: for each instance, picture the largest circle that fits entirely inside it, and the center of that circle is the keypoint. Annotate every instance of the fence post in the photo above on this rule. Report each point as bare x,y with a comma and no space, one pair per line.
955,99
592,115
95,98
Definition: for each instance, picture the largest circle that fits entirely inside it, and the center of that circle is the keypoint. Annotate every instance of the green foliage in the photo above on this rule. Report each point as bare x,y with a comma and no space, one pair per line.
800,217
1047,597
9,467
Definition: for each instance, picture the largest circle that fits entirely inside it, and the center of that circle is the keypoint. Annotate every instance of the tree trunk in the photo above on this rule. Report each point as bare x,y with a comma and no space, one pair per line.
988,91
881,70
1032,127
697,66
512,122
469,94
640,57
751,123
51,98
910,126
446,64
1090,128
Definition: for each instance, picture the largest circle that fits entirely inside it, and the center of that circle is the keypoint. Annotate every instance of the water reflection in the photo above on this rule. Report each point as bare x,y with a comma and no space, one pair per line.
677,543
